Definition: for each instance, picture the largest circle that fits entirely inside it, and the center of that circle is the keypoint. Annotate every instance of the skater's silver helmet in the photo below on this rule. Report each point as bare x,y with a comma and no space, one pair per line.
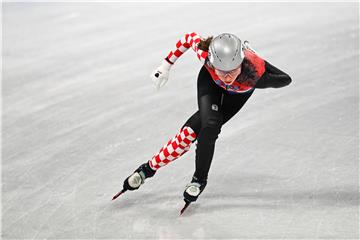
225,52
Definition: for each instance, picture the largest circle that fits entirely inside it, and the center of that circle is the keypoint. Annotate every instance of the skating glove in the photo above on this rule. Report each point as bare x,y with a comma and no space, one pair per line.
161,74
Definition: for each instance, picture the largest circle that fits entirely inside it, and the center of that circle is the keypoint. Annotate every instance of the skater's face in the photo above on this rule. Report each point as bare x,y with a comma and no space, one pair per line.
229,76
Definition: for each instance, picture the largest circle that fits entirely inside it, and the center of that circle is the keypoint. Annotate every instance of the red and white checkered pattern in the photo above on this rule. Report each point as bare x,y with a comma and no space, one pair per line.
176,147
189,40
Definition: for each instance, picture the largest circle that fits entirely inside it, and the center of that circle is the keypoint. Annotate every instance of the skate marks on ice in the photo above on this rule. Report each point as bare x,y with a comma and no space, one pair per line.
251,191
282,199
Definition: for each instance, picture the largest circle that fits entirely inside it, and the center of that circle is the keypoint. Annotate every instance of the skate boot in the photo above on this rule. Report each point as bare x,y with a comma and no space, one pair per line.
194,189
135,180
192,192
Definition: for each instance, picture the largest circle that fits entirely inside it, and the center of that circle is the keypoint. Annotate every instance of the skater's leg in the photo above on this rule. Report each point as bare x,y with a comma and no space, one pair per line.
211,118
178,145
216,107
211,122
175,148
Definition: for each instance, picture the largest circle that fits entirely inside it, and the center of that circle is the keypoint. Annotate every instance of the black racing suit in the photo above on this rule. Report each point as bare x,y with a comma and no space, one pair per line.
216,107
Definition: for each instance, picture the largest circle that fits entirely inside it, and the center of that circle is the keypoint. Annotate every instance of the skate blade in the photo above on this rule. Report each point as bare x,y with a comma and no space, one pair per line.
187,204
118,194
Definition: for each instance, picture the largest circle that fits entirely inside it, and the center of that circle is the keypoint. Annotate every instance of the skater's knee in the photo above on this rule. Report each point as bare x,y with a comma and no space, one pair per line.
211,128
213,122
194,123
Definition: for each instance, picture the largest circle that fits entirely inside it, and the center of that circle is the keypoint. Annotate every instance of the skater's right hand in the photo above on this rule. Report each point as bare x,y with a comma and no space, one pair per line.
161,74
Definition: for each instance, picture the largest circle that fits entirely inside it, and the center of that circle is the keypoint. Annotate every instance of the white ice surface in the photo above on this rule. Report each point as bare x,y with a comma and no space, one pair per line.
80,114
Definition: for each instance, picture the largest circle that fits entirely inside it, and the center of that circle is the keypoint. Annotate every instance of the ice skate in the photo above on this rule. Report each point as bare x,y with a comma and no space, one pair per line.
193,191
135,180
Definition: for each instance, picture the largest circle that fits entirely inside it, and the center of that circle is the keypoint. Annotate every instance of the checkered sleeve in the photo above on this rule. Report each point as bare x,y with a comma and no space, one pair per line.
189,40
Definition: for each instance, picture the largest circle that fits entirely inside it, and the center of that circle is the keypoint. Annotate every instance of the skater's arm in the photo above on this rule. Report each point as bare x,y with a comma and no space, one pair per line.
273,78
189,40
161,74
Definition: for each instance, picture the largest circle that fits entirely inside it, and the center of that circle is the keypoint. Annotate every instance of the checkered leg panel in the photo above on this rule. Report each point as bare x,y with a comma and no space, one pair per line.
176,147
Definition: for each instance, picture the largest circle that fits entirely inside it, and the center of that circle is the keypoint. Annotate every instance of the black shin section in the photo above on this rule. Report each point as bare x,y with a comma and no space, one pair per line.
206,145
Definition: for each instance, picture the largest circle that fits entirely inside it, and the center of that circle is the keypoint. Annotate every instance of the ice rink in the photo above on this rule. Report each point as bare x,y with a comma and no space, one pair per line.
80,113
